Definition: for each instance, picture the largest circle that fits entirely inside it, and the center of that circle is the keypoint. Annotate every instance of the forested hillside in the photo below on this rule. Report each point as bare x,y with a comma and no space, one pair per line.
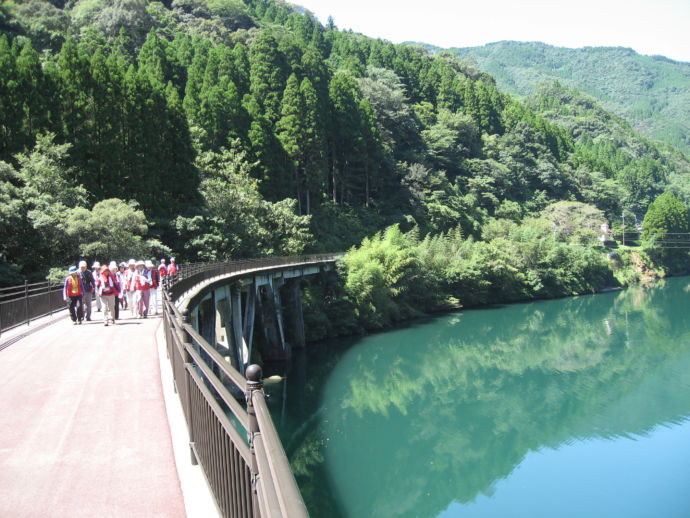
221,129
652,92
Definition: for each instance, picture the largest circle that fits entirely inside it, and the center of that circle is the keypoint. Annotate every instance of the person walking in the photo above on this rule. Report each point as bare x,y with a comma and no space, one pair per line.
88,283
72,292
172,269
106,286
162,274
153,272
122,281
130,292
142,286
113,271
96,271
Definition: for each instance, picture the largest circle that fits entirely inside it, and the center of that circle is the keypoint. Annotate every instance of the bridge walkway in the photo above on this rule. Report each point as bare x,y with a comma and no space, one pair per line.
83,425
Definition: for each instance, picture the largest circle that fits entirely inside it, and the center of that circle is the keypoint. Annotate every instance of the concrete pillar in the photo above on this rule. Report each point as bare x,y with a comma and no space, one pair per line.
195,318
238,339
273,346
207,319
248,330
224,330
298,313
223,316
278,305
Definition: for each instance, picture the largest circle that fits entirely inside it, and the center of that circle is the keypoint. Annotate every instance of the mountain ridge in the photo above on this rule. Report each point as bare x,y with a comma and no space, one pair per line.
436,48
652,92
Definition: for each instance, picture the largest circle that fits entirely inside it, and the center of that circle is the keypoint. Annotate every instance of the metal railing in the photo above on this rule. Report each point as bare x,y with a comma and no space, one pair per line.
232,435
26,302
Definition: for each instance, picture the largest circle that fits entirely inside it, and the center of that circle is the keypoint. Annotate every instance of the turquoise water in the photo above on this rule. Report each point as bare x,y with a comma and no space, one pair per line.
570,408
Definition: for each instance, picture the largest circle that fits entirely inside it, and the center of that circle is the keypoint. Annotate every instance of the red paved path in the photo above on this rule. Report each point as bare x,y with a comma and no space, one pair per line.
83,426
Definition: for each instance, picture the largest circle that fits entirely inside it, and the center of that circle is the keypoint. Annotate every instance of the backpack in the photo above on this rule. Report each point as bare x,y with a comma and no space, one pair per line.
87,280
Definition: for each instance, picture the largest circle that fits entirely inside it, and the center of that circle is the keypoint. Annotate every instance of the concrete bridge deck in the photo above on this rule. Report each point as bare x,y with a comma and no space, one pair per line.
83,424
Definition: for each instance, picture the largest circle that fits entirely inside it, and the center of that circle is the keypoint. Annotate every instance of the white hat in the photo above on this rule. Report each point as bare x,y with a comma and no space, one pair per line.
140,263
131,261
82,263
96,264
148,264
112,265
172,259
162,261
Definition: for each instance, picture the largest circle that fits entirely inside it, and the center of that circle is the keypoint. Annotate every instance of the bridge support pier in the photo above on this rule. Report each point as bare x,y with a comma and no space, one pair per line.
278,308
248,328
207,318
270,312
299,340
223,323
238,339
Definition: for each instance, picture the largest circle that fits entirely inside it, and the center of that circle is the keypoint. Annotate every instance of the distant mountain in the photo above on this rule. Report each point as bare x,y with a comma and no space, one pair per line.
652,92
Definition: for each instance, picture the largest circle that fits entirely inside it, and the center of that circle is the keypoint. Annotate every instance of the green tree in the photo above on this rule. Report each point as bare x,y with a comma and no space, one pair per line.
290,131
573,220
109,17
195,81
379,274
153,60
47,192
452,138
347,146
12,137
112,230
398,128
301,134
267,150
44,23
236,221
14,227
666,221
267,74
313,144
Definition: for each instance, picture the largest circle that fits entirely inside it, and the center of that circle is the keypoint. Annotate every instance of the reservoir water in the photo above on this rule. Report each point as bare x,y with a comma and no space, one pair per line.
576,407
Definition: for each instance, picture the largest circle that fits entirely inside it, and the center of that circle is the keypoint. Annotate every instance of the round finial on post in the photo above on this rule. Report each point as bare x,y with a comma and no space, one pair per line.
254,373
255,382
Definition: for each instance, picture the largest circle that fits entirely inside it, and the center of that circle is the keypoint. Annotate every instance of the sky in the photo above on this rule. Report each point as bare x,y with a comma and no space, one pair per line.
653,27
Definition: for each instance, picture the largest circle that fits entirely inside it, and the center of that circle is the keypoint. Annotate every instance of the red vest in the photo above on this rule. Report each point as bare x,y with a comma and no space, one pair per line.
104,283
129,279
72,287
154,278
142,281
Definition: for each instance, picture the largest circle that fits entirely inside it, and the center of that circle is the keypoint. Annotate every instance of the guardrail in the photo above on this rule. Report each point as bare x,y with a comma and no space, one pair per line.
231,432
26,302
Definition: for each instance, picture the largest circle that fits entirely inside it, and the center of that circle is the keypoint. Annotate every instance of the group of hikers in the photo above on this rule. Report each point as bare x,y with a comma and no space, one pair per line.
134,285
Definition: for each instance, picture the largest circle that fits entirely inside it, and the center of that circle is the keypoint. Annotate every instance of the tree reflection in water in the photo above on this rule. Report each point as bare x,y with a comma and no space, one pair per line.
406,422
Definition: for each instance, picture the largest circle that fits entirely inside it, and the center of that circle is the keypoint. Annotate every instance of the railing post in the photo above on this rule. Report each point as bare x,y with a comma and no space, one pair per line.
187,384
50,305
254,376
26,298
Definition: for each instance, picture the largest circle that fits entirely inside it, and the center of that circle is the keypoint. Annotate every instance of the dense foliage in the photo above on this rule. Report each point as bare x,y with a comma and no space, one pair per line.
247,128
665,217
394,275
653,92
